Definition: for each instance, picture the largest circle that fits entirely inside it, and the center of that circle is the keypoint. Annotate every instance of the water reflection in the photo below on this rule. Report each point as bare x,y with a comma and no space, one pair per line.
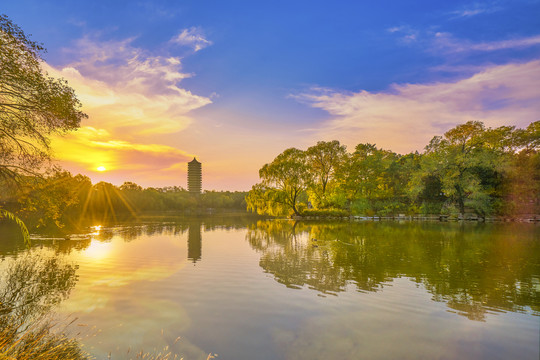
30,284
138,288
473,268
194,242
11,241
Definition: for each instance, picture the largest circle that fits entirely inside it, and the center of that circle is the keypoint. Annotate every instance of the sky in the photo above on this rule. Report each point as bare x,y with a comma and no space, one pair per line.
235,83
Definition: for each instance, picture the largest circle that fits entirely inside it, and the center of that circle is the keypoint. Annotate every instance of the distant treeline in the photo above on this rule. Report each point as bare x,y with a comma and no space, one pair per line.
59,199
470,169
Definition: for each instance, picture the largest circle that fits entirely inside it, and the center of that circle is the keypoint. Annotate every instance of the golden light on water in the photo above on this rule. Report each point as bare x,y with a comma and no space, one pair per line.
98,250
101,168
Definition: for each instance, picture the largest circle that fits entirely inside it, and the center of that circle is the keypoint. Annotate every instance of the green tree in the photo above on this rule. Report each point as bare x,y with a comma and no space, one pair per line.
53,200
284,180
323,160
529,138
463,163
368,178
33,105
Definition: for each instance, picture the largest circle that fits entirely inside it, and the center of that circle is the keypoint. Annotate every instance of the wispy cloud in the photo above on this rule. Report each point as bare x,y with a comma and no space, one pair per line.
448,43
445,42
192,37
405,118
407,33
477,8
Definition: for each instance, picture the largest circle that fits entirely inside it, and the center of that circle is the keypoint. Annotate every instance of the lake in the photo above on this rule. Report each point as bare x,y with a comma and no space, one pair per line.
245,288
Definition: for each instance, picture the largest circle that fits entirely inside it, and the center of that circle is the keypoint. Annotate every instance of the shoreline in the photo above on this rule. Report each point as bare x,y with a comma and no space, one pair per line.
442,218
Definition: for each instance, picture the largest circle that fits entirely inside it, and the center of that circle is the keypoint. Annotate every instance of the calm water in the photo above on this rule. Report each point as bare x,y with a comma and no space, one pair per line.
276,289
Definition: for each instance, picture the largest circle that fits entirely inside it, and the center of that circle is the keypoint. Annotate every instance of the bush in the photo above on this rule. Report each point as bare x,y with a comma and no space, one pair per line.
325,212
360,207
431,208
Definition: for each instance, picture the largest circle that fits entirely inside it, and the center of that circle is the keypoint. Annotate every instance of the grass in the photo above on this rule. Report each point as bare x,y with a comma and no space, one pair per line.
38,342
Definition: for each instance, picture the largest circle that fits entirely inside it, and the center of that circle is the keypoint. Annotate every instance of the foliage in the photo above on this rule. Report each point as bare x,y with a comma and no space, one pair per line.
59,199
263,200
323,159
325,212
19,222
33,105
470,168
283,182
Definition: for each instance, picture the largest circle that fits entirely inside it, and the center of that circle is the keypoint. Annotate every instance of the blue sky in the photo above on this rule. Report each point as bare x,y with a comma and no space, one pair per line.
252,78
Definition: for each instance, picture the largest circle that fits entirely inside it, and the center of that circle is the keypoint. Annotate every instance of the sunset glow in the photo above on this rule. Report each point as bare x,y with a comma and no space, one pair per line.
291,179
234,96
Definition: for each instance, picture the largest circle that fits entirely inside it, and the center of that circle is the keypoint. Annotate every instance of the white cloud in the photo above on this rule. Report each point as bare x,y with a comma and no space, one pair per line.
477,8
395,29
407,116
192,37
447,42
408,34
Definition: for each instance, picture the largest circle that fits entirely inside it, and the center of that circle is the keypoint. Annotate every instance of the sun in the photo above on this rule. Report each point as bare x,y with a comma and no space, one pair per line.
101,168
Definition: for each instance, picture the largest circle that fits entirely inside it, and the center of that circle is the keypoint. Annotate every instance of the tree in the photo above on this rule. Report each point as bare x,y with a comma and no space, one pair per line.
521,189
33,106
324,159
369,178
54,200
283,181
466,164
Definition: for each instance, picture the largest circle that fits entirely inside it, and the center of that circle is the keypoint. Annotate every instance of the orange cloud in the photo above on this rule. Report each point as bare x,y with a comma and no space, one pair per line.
132,98
89,148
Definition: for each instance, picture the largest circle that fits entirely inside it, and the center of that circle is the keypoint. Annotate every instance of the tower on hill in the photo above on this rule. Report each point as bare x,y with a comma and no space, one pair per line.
194,176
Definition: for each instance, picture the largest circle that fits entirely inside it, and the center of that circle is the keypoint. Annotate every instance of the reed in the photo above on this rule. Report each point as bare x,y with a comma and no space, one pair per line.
42,340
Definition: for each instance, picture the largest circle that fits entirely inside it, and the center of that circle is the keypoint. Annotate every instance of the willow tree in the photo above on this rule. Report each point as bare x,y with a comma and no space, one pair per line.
33,105
283,182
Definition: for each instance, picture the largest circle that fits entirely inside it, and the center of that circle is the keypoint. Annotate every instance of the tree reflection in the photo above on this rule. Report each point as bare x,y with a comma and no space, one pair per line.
471,267
31,284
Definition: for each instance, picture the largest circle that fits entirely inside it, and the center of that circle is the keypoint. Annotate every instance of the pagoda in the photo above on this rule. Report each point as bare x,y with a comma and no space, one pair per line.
194,176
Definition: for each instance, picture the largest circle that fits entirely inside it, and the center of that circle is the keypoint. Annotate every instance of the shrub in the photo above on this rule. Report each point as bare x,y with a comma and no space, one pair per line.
325,212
